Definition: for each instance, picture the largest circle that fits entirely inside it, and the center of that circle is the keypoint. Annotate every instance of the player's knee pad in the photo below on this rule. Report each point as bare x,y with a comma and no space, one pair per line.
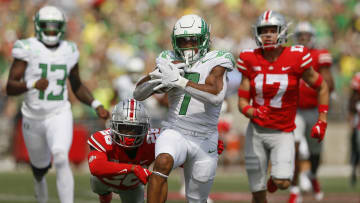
60,158
39,172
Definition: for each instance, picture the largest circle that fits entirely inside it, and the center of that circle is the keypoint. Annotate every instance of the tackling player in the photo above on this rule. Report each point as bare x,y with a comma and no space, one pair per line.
307,112
196,87
40,69
271,75
120,156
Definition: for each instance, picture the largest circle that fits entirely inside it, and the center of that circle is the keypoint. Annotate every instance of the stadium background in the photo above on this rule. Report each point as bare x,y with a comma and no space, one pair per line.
109,32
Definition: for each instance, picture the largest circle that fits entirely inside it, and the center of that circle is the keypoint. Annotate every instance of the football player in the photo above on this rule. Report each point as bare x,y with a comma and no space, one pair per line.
195,79
120,155
307,112
354,118
271,76
40,69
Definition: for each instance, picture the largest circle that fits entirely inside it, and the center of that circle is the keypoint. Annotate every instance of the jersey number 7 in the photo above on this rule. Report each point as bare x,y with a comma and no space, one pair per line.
194,77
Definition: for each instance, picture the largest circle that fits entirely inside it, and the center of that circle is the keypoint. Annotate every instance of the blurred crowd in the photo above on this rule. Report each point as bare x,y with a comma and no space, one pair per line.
110,32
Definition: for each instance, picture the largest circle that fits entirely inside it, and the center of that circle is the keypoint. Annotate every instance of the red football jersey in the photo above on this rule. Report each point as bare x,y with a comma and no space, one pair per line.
355,82
276,84
101,141
308,97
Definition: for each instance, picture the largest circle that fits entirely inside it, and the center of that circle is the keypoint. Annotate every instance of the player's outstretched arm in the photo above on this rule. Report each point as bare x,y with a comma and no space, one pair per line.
144,89
84,95
315,80
101,167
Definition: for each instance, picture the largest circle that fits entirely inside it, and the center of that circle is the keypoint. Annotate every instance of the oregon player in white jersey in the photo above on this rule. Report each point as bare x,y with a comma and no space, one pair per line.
195,80
40,69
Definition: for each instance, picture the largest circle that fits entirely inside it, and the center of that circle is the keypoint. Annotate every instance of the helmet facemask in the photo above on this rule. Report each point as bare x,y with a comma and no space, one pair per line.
129,124
50,25
190,29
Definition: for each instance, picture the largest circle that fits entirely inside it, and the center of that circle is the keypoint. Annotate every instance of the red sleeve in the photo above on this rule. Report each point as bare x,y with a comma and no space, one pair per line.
355,82
100,166
101,141
241,63
325,59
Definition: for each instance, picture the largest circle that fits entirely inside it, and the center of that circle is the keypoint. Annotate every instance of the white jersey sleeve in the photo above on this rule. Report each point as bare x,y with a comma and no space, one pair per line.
22,50
219,58
73,54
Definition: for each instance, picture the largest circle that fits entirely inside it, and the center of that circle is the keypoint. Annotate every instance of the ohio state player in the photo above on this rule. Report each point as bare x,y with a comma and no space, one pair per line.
271,76
307,112
120,155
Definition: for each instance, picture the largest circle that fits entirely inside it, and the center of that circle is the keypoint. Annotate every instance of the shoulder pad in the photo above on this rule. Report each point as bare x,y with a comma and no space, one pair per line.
152,135
219,58
72,46
101,141
22,49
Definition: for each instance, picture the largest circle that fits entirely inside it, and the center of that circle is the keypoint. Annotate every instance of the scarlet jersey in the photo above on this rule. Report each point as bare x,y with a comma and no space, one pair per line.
276,84
355,82
308,96
102,141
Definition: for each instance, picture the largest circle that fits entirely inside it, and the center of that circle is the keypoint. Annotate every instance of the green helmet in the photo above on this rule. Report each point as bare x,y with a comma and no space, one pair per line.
49,19
191,27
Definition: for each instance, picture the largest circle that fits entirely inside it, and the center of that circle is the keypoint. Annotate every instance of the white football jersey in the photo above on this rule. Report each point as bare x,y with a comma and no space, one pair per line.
188,113
52,64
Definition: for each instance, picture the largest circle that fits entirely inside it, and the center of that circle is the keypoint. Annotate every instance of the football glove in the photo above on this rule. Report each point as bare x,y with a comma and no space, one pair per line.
261,113
170,76
318,130
142,173
220,147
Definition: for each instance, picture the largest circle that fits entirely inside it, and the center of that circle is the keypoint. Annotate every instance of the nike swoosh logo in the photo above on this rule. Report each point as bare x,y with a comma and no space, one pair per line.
285,68
211,151
123,171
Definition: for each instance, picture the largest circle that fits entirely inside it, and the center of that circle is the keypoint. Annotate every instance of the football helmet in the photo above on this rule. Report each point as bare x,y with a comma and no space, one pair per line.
304,27
49,25
191,28
129,123
271,18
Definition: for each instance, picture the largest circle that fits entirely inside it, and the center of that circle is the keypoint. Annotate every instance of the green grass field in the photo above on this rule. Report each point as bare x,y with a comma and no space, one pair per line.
17,187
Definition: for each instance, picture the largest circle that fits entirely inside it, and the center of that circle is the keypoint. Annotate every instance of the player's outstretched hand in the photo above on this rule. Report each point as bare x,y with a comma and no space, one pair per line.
261,113
220,147
318,130
102,113
41,84
142,173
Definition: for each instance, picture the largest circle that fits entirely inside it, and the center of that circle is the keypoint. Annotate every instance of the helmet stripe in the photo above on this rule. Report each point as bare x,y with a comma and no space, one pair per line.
132,109
267,15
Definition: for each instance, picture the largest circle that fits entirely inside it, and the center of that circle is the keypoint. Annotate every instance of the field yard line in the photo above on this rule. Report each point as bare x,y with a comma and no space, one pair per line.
27,198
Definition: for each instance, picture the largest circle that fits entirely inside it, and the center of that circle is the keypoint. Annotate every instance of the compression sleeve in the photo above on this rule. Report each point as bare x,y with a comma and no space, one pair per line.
100,166
144,90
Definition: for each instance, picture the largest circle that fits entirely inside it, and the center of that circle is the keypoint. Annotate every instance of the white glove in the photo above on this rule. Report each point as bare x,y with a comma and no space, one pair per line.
170,76
155,74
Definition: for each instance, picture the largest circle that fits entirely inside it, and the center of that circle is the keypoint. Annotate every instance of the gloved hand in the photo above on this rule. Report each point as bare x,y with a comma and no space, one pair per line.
220,147
261,112
170,76
318,130
142,173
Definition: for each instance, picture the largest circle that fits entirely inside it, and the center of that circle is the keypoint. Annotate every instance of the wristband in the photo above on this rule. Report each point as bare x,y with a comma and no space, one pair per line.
245,109
95,103
317,83
244,94
323,108
182,82
30,84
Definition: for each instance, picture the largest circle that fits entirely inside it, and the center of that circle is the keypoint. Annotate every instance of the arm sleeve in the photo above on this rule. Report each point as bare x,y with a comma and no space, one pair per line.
144,90
74,54
100,166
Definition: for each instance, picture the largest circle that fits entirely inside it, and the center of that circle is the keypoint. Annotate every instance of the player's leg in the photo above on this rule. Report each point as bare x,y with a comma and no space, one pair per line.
104,191
256,164
170,152
39,154
282,157
200,168
310,116
59,136
295,196
135,195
